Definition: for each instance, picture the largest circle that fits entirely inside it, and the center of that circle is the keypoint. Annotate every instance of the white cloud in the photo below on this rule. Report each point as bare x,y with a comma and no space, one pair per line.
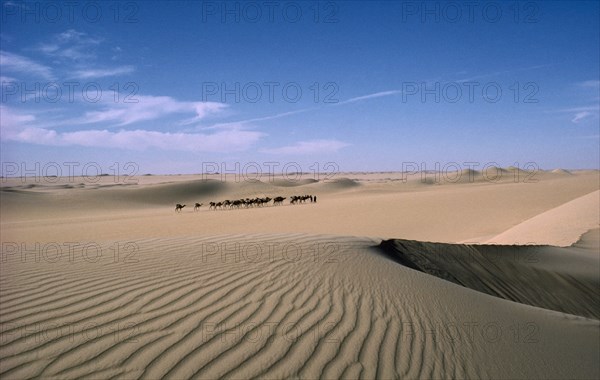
595,108
22,127
590,84
581,113
100,73
4,79
12,121
70,44
139,139
18,63
147,108
11,118
579,116
310,147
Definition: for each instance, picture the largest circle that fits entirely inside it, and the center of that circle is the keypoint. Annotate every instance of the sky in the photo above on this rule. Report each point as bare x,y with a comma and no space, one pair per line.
177,87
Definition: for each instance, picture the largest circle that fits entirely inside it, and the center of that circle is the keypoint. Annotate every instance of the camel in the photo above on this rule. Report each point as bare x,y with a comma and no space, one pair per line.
254,202
278,200
197,206
300,199
214,205
179,207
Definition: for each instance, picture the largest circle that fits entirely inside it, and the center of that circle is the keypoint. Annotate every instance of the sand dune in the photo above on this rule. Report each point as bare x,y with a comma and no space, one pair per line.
560,226
561,279
105,280
215,307
165,193
561,171
340,184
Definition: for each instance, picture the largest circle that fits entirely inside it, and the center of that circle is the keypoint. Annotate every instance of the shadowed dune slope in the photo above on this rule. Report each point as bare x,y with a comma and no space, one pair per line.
341,184
561,279
291,182
168,193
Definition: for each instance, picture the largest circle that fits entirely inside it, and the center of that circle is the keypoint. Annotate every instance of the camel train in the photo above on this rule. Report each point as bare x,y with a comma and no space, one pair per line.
251,202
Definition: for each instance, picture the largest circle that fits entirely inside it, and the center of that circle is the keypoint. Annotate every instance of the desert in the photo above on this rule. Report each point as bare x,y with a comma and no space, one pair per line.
380,278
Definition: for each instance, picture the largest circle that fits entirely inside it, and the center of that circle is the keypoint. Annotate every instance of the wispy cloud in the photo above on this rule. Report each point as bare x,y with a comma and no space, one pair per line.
21,127
73,50
71,44
4,79
17,63
252,120
371,96
11,118
595,84
139,139
16,119
303,110
100,73
581,113
579,116
501,72
309,147
594,108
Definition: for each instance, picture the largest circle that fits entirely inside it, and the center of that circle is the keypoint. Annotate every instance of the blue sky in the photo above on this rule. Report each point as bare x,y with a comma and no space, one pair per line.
367,85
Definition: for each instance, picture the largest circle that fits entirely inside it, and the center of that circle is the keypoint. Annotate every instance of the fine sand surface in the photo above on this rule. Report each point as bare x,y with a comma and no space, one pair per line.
381,278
